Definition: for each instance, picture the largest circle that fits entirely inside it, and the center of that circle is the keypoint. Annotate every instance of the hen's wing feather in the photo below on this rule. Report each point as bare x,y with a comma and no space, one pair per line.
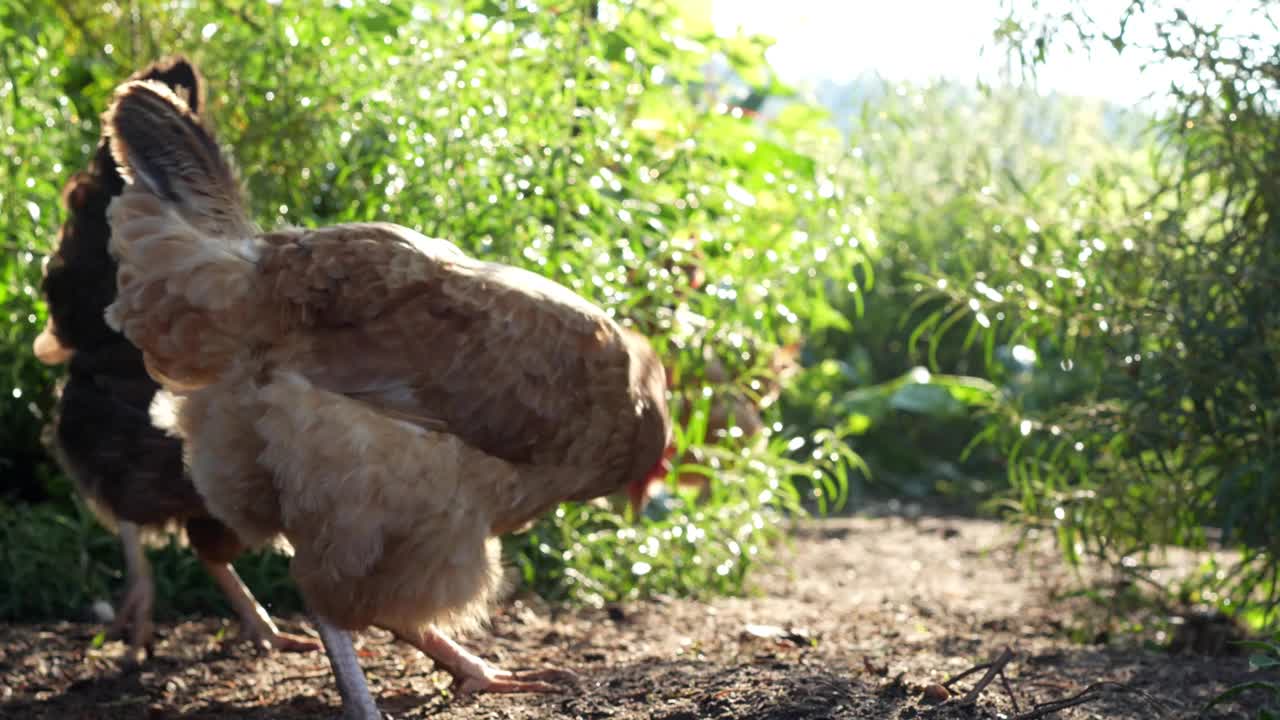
503,358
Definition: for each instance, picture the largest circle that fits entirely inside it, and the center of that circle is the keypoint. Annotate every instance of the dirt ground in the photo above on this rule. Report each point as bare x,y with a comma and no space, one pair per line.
874,611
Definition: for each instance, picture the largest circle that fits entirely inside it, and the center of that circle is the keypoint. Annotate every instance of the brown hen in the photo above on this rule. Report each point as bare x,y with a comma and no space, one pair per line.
386,402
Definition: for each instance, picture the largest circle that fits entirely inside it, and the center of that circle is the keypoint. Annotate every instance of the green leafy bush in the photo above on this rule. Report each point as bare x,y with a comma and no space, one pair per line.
1150,418
582,141
949,179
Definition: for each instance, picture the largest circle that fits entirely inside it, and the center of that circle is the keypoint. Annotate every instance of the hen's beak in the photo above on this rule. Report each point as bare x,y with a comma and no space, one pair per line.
48,349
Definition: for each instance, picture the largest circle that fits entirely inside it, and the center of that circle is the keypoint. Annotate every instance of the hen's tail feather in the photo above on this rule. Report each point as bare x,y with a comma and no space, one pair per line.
161,145
181,75
186,251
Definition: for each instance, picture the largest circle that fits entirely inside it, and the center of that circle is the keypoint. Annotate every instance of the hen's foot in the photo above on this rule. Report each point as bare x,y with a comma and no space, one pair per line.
488,678
256,626
139,597
267,641
473,674
133,620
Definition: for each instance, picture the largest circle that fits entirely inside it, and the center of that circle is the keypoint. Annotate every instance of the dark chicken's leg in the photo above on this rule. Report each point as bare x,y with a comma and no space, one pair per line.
357,702
140,592
473,674
256,625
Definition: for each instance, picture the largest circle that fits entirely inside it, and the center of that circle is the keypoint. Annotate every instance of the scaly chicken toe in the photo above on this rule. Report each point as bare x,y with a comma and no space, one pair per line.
473,674
134,620
256,626
139,596
283,642
495,680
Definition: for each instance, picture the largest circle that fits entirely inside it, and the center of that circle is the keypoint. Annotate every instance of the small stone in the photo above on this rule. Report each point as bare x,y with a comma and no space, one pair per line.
936,693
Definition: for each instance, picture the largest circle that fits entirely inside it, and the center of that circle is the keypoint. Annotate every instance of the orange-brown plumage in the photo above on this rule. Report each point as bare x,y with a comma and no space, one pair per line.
385,401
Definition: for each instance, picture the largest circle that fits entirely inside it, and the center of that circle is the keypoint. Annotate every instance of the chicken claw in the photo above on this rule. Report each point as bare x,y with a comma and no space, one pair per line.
136,606
473,674
495,680
267,638
256,626
284,642
135,614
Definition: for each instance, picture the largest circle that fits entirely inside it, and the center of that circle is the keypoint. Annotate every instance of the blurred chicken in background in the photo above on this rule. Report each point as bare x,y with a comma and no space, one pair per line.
129,472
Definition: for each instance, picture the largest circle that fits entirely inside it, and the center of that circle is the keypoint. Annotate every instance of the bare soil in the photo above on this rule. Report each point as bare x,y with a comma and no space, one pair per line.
872,612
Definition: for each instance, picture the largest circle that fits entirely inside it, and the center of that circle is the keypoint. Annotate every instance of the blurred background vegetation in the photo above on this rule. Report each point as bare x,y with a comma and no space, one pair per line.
1052,309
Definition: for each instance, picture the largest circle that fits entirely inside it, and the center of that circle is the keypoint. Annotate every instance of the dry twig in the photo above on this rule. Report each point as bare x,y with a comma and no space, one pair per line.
1009,690
994,669
1093,692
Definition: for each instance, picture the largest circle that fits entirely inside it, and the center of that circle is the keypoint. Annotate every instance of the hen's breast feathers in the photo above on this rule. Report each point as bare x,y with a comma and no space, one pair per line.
514,364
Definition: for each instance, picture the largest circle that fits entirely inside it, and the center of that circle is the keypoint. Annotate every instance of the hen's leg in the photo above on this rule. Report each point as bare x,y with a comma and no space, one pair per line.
473,674
357,702
139,596
255,624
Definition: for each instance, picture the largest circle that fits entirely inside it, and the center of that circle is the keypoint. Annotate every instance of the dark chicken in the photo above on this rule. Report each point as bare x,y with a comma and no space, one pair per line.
129,471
